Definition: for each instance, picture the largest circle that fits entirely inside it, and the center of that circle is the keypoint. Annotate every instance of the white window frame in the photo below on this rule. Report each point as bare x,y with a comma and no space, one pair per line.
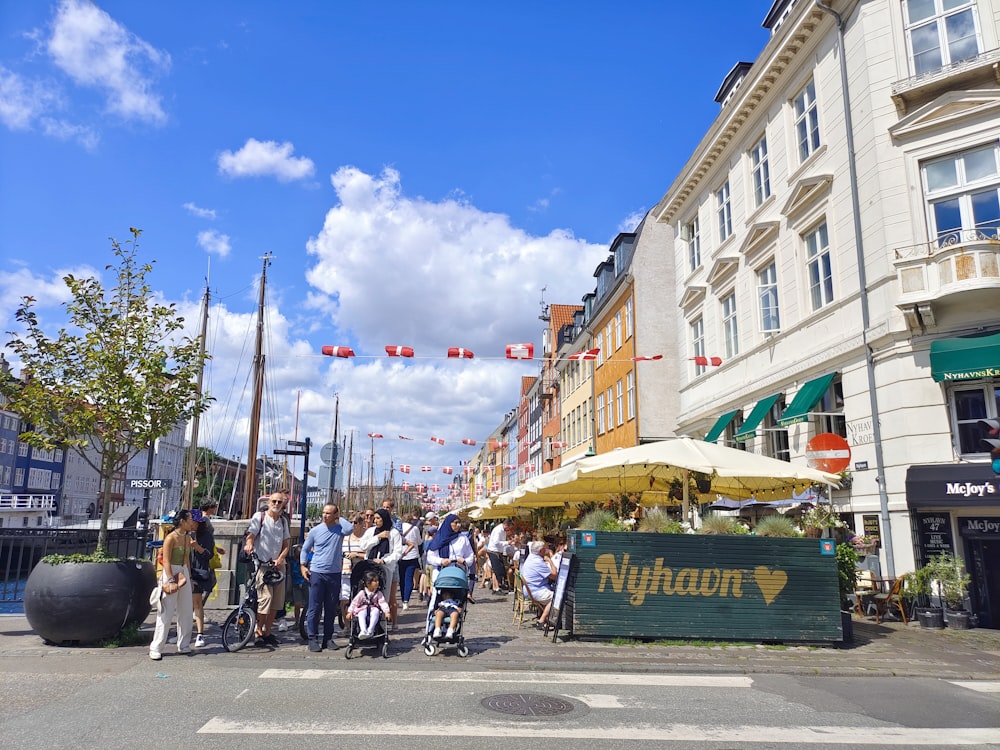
939,26
819,266
600,413
618,330
760,172
768,301
620,402
630,394
697,330
724,211
629,318
806,121
610,401
599,345
967,183
693,230
965,429
730,325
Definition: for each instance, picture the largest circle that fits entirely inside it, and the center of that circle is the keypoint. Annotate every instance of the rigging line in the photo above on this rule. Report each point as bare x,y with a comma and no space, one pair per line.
228,407
237,293
637,358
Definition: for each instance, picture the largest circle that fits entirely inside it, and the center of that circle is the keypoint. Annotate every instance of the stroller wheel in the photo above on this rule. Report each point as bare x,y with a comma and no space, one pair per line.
462,650
349,653
385,650
430,649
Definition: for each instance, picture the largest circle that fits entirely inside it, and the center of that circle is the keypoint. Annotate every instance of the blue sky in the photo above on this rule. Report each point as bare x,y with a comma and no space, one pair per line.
420,171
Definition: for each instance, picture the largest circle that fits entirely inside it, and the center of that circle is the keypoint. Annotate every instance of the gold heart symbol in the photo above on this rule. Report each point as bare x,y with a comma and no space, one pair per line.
770,582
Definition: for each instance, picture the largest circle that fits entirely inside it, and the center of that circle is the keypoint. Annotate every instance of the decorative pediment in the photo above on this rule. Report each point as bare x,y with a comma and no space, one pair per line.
693,295
723,269
946,112
759,235
806,192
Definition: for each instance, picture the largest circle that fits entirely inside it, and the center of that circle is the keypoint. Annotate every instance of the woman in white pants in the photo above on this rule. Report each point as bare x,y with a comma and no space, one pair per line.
175,580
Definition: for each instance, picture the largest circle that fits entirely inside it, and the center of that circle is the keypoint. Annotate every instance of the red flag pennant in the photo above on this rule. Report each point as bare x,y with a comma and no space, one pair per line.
426,468
338,351
700,361
399,351
589,354
404,486
447,470
439,441
404,468
468,441
403,437
455,352
647,359
715,361
374,434
435,488
520,351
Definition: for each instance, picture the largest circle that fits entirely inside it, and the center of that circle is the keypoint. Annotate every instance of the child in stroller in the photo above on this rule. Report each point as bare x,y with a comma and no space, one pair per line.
364,613
448,599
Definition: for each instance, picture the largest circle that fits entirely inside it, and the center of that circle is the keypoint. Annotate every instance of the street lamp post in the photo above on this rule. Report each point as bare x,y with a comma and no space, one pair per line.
301,449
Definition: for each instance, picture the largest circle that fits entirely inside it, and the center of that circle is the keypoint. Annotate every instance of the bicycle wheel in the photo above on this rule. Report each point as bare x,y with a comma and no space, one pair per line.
238,628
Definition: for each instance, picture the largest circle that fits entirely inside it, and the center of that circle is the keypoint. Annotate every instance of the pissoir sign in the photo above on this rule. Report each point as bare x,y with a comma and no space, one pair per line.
692,586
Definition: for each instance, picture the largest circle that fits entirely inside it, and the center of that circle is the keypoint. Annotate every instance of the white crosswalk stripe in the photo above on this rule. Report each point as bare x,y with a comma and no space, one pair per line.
984,686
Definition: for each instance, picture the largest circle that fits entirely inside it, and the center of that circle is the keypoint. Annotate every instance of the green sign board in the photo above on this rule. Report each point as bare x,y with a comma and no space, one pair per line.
693,586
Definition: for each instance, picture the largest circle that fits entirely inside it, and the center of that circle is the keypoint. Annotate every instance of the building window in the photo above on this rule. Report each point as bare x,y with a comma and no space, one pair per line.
618,330
760,172
607,336
806,121
968,404
819,267
830,408
19,477
729,326
630,394
940,33
600,413
963,195
724,211
611,416
599,345
698,344
692,232
767,294
629,318
620,402
775,436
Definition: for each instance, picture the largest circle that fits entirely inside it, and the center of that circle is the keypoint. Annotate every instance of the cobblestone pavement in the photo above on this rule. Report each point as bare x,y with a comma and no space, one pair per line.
495,643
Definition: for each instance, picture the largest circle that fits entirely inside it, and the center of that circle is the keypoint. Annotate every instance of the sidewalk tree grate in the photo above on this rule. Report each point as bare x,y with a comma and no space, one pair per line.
527,704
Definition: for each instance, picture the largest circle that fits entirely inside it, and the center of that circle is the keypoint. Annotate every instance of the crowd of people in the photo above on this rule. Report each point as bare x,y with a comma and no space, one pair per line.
409,552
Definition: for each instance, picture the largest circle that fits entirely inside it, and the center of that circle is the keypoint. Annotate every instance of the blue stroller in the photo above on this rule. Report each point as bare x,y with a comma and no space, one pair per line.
380,638
452,578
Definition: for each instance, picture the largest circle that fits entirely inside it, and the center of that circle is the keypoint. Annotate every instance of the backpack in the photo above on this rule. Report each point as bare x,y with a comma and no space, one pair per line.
244,557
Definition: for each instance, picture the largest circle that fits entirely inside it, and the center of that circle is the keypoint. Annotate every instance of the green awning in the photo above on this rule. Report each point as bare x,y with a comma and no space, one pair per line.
720,426
966,358
805,400
749,427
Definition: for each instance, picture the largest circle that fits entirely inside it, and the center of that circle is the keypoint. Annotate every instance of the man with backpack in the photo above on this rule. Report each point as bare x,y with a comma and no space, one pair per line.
269,537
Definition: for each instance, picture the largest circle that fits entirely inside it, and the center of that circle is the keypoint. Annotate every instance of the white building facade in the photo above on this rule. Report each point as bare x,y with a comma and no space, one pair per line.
837,256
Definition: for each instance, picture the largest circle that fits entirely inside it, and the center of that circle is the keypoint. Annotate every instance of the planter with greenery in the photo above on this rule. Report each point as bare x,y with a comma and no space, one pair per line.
119,376
948,572
715,523
778,526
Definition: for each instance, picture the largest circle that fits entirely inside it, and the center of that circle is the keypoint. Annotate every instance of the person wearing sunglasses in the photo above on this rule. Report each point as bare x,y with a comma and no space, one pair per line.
269,537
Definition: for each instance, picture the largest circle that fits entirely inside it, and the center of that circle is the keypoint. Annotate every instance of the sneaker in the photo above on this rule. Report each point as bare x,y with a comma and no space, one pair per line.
184,651
155,655
406,606
282,626
260,643
199,641
271,640
437,632
449,633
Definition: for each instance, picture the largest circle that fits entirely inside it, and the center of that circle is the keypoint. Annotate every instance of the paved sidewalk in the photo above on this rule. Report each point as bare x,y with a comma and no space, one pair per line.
888,649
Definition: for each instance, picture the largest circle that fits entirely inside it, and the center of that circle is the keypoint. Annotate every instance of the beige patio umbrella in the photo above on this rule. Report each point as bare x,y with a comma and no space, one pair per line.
653,466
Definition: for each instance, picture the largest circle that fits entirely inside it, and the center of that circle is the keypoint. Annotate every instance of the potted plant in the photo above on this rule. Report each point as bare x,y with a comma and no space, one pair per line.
920,588
119,376
819,520
865,544
953,585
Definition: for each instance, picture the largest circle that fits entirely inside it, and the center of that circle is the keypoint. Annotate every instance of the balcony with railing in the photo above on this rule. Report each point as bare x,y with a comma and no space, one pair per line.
23,503
957,262
917,89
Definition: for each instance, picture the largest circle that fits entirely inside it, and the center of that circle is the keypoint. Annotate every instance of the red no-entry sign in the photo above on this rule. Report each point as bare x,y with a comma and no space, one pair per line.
828,452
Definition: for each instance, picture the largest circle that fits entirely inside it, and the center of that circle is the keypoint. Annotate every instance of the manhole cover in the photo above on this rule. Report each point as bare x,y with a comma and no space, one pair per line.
527,704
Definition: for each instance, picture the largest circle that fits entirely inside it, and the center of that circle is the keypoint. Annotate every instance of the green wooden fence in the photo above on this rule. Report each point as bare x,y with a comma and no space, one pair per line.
714,587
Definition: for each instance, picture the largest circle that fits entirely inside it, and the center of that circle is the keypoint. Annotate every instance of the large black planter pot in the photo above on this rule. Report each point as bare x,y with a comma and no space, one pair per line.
87,602
930,617
847,624
957,620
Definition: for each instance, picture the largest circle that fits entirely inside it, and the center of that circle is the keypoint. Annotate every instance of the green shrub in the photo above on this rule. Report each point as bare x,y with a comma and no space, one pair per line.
777,526
714,523
600,520
658,521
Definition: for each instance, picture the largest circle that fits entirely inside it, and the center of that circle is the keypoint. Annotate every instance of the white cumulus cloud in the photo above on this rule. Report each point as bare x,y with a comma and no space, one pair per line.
265,158
215,242
95,50
201,213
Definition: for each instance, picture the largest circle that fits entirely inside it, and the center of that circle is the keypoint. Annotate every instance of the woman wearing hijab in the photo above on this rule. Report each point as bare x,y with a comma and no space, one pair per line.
384,545
450,546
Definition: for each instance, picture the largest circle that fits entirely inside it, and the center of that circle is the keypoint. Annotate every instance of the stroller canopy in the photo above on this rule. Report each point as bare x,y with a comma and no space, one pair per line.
452,577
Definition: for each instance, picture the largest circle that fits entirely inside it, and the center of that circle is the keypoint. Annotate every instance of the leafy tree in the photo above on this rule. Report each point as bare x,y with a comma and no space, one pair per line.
119,377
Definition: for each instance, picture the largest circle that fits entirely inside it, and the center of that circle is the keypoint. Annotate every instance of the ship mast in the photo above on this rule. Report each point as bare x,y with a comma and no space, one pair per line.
192,456
250,485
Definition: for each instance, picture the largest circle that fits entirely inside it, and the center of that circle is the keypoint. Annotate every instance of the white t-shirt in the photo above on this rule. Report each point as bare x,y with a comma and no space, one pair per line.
411,535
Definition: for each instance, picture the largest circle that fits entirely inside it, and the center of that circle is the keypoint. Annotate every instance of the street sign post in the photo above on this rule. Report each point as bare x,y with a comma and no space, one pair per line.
828,452
150,484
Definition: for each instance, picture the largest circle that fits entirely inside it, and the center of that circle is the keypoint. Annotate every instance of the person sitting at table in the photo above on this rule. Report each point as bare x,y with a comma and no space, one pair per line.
538,573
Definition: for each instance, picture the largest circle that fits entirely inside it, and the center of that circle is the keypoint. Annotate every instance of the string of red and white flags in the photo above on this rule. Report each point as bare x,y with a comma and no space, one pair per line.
513,351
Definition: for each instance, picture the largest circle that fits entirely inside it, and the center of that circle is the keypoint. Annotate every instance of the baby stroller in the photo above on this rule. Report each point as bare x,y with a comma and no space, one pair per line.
380,638
452,577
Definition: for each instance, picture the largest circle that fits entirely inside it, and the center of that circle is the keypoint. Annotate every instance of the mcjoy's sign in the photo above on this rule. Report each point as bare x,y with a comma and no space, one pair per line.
633,584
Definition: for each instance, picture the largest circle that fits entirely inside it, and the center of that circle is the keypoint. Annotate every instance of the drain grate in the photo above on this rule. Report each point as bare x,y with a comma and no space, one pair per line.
527,704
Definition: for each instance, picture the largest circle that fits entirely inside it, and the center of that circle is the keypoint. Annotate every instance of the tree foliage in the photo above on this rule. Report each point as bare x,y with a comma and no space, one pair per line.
118,377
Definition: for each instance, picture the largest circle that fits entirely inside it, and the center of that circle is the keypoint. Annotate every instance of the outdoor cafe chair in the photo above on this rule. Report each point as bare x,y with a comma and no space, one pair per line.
864,589
885,602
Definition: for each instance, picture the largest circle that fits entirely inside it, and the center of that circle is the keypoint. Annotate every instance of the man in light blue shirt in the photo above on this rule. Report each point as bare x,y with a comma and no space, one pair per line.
322,561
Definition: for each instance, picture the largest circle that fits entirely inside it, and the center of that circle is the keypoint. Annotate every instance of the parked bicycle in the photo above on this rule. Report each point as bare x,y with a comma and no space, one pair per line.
238,629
